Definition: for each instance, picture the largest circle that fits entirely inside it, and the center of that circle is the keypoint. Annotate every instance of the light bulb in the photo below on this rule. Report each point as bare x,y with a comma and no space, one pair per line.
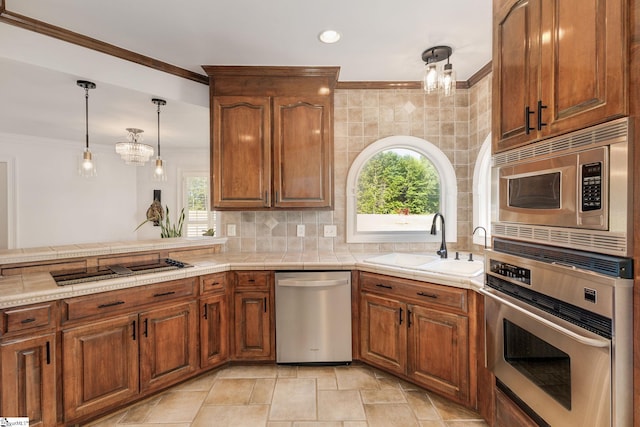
158,172
448,83
87,167
430,78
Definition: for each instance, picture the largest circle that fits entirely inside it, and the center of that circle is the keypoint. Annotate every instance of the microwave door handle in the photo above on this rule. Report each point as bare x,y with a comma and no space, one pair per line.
591,342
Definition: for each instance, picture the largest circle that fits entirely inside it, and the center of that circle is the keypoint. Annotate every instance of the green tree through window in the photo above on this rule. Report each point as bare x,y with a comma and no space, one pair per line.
398,182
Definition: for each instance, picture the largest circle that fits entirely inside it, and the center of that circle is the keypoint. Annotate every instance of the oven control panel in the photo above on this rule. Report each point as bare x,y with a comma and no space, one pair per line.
511,271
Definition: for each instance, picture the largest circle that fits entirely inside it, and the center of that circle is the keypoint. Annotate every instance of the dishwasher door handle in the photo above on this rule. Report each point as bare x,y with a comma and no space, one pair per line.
301,283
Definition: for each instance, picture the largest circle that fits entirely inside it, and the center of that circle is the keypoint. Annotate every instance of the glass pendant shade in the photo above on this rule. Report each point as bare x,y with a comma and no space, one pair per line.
448,80
86,165
430,83
133,152
159,173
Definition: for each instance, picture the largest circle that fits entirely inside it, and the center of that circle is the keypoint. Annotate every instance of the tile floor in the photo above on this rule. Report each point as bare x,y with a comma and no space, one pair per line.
294,396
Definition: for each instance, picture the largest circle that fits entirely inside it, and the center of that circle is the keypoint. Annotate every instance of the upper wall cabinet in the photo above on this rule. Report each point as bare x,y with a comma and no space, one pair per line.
558,66
271,137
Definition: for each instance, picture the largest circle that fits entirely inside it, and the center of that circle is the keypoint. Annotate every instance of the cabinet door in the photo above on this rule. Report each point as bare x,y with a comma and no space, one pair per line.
584,63
241,152
214,330
303,152
168,345
100,365
516,51
252,336
383,335
439,351
28,385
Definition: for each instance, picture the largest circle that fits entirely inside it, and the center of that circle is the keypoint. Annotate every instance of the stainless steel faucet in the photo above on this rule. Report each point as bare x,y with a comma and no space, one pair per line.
443,246
485,234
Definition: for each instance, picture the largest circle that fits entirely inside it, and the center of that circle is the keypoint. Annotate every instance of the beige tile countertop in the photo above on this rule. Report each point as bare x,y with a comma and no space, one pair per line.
40,287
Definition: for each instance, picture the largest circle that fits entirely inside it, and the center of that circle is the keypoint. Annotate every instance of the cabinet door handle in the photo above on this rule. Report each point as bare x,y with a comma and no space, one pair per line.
146,327
400,312
408,318
422,294
380,285
205,311
540,108
134,330
164,294
110,304
48,352
265,304
527,120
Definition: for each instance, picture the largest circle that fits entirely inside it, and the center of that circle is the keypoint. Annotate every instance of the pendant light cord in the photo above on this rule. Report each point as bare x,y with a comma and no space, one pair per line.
86,117
158,130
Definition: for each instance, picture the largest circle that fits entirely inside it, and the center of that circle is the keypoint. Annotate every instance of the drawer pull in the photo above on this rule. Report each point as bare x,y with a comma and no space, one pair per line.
164,294
29,320
380,285
422,294
110,304
251,280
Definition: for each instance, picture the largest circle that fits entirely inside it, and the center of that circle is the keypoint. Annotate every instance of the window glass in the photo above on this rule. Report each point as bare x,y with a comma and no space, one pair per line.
395,186
397,190
198,218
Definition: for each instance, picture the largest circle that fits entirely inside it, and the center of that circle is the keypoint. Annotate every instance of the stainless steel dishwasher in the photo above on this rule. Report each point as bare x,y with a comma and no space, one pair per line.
313,317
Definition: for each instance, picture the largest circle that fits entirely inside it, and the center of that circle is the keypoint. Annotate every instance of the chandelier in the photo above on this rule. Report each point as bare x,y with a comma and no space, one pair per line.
133,152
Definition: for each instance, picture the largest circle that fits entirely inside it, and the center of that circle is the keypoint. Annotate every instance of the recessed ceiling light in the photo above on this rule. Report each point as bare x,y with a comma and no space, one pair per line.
329,36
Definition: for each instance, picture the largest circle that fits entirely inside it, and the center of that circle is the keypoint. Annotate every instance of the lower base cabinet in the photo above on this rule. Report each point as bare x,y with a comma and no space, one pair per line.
99,365
28,386
214,330
109,362
417,331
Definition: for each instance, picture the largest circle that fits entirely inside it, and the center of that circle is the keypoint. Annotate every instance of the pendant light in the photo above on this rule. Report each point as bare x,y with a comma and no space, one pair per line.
87,165
159,172
434,80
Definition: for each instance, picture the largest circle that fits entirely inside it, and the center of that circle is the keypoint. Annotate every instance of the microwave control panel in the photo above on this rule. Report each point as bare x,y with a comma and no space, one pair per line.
591,186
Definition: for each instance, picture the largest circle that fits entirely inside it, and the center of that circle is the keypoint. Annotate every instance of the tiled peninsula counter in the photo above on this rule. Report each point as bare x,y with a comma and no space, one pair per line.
150,331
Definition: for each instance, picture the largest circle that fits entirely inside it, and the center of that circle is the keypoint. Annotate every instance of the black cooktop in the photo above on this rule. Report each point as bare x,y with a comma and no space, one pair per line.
72,277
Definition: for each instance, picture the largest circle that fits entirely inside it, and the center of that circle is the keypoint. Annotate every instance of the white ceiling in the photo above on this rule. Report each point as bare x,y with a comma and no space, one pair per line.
382,40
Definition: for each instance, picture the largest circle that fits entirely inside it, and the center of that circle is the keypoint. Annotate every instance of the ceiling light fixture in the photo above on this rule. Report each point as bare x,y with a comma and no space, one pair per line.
329,36
159,173
87,166
432,78
133,152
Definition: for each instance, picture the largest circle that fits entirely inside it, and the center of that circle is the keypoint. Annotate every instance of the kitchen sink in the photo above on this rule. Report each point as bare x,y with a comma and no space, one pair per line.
398,259
431,263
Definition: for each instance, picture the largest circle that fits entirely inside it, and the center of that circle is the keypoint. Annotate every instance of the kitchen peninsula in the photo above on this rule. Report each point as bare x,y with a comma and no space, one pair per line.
154,330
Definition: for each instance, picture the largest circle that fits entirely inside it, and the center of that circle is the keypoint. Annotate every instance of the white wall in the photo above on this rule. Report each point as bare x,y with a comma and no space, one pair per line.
54,206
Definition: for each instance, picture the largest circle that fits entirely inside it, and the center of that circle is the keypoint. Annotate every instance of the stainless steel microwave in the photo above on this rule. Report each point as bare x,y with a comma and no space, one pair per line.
572,184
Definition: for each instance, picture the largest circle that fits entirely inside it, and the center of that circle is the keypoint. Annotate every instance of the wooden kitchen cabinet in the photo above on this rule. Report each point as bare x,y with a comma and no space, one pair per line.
28,363
558,66
100,365
383,336
214,320
253,321
419,331
119,345
28,373
271,137
168,343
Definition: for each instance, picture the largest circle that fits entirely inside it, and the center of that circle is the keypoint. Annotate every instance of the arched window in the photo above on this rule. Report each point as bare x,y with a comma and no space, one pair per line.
395,186
482,193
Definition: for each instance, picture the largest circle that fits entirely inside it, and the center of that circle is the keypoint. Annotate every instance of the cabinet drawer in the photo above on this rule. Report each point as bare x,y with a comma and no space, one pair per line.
25,318
252,279
213,283
126,299
421,292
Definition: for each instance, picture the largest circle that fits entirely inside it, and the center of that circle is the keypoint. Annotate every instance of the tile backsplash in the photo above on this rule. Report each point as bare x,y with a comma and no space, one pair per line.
457,125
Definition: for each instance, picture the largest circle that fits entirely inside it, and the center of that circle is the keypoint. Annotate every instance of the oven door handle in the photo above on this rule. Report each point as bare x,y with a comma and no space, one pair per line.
591,342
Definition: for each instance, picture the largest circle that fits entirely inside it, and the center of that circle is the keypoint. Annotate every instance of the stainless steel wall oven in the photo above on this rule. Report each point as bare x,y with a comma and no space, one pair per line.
559,332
